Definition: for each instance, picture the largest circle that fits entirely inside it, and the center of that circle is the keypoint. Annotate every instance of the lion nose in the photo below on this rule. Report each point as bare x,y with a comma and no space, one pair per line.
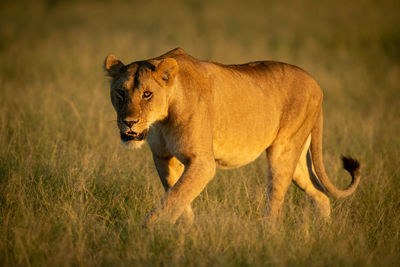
130,123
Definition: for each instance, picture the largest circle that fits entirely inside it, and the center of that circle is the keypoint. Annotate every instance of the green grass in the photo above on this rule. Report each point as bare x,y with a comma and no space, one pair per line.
70,194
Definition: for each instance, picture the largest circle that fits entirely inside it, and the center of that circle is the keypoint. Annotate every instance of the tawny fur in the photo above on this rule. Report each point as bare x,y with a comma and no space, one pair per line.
202,115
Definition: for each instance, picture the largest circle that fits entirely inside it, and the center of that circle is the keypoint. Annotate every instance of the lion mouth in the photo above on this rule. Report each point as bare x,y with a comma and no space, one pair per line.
132,136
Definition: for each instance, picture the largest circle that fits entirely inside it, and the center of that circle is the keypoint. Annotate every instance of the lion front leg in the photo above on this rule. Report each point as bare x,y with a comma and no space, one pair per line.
196,175
170,170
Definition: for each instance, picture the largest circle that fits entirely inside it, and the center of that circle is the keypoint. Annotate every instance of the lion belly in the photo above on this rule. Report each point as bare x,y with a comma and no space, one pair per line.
234,158
240,136
234,147
246,121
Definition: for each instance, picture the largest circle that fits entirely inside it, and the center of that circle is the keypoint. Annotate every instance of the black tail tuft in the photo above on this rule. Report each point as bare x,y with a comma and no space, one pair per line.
351,165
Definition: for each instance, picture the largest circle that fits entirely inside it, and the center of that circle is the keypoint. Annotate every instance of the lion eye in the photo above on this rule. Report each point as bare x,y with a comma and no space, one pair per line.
121,93
147,94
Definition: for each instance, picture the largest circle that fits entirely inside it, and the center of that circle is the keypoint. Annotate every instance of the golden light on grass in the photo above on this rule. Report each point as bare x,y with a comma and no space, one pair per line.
70,194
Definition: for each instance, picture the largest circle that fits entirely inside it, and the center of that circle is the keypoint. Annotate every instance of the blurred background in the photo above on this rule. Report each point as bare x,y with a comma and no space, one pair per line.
71,195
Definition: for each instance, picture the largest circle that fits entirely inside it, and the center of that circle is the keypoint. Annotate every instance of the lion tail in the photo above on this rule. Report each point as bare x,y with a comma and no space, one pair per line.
349,164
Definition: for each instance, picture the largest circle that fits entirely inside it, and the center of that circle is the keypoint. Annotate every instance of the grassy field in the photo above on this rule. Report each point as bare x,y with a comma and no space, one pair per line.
70,194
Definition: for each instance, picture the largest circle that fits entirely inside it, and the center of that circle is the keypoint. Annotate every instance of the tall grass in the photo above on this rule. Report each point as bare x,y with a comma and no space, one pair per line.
70,194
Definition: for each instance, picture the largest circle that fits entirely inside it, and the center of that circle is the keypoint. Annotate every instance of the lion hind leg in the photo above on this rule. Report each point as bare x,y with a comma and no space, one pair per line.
306,180
282,159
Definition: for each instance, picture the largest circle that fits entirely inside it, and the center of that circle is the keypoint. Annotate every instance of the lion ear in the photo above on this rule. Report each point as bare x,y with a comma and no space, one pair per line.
112,65
166,70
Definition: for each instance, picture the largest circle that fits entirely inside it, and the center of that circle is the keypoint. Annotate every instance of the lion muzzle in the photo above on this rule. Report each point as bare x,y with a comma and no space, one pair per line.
133,136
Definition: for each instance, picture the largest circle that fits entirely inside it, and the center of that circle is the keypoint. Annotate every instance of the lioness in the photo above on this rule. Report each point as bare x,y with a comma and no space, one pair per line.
198,115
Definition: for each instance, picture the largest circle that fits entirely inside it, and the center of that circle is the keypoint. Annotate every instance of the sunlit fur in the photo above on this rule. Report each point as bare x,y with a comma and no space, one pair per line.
133,144
134,79
206,115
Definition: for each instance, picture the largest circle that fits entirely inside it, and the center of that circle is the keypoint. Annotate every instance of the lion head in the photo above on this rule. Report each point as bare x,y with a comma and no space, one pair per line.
139,93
